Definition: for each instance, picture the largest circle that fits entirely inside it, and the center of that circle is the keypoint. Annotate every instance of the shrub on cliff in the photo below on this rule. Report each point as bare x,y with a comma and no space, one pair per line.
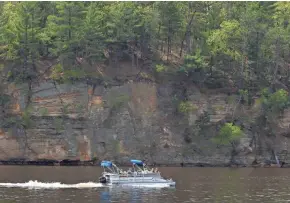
274,102
159,68
195,67
228,134
186,107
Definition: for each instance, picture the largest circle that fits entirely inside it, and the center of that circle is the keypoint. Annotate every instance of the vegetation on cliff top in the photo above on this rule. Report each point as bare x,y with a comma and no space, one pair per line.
242,44
242,47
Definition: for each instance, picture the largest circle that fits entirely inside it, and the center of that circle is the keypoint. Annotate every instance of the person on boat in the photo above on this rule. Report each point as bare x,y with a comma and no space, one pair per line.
130,170
156,170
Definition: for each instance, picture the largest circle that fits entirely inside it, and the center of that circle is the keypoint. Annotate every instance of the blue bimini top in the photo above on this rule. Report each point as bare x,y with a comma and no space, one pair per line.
137,162
106,163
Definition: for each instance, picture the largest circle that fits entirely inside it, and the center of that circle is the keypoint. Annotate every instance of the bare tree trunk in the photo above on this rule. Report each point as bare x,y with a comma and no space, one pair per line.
243,66
69,24
239,101
158,36
186,34
234,153
168,39
250,72
111,56
188,42
25,52
133,57
29,93
137,61
276,62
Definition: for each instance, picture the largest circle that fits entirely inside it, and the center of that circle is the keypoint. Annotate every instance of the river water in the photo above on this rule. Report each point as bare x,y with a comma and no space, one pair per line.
37,184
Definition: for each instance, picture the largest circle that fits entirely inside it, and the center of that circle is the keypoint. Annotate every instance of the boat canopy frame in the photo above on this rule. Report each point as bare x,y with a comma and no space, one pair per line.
139,165
110,166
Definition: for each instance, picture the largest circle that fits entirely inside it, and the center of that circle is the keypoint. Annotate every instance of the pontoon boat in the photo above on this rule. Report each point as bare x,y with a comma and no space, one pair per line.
139,174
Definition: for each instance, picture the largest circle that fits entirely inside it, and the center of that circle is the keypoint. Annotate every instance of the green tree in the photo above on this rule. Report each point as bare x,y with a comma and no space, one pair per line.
228,134
63,28
171,19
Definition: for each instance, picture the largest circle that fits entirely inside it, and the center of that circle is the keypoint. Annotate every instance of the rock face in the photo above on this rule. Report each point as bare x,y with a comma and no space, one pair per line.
133,120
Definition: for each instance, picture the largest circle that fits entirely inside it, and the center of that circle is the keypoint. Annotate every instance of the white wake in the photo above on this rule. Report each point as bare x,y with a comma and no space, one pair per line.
57,185
53,185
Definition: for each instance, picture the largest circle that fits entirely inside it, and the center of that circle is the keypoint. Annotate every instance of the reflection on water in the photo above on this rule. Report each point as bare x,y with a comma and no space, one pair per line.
76,185
105,196
133,194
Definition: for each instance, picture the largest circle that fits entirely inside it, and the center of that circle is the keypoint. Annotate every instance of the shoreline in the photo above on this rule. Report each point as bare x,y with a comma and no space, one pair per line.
22,162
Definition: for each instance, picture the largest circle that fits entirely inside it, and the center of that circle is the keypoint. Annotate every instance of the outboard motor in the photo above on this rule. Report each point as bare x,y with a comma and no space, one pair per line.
102,179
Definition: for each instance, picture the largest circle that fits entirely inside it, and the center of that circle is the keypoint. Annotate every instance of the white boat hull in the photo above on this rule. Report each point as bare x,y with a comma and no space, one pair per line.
133,180
169,184
139,175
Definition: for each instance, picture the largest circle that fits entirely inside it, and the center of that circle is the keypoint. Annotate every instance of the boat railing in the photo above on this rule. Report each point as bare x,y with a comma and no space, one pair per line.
145,169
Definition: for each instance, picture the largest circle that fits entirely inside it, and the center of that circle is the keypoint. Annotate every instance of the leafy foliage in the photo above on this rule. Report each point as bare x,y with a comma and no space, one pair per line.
193,63
160,68
226,39
228,133
186,107
275,102
246,43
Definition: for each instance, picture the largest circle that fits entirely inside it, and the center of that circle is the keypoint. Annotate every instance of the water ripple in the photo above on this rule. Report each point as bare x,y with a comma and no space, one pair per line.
205,186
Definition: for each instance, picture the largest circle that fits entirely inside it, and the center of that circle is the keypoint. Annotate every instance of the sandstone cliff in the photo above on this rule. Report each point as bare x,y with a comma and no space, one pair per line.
132,120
